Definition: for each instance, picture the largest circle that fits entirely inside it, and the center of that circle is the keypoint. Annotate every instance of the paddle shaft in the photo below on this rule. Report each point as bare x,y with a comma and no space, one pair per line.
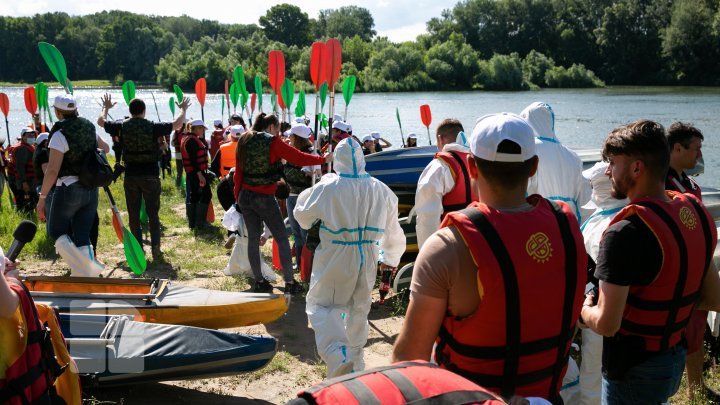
331,114
429,139
156,107
402,137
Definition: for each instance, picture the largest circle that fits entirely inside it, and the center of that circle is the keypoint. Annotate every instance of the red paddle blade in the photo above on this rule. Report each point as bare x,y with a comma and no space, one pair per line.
117,227
201,90
276,70
4,104
30,100
253,100
425,115
210,215
280,101
318,64
334,61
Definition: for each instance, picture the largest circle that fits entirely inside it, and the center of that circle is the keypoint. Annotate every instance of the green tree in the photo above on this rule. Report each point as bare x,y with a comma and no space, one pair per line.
346,22
287,24
534,67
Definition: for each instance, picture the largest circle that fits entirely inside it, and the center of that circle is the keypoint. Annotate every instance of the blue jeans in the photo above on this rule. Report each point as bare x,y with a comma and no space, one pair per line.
298,233
72,211
652,382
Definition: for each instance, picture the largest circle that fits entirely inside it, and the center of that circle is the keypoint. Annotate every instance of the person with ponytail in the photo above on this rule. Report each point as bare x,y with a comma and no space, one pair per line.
258,167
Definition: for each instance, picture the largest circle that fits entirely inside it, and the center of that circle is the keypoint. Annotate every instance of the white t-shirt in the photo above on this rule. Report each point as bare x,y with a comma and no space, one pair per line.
60,144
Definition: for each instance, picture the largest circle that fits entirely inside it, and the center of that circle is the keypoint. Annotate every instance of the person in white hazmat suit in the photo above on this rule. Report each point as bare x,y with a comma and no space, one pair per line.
559,173
359,227
605,207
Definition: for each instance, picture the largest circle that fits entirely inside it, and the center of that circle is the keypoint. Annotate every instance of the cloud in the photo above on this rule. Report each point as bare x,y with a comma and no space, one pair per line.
406,33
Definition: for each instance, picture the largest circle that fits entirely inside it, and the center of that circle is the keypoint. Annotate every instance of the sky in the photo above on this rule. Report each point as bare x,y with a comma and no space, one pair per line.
399,20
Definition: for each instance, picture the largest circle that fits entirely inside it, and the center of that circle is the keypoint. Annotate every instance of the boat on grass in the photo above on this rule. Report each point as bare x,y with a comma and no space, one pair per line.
156,301
115,350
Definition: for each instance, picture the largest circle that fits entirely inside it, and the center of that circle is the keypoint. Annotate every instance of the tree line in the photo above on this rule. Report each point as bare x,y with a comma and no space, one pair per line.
478,44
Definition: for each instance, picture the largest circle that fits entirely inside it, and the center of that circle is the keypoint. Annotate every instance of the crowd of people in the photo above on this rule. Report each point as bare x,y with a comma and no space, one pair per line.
520,249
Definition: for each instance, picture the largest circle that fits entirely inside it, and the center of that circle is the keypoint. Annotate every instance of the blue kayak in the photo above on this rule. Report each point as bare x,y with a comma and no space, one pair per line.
115,350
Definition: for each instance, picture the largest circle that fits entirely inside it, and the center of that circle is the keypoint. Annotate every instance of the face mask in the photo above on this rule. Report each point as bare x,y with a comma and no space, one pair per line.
30,141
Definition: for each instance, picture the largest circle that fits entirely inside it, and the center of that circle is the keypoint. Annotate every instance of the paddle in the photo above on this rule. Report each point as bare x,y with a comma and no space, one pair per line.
300,106
178,93
244,96
281,103
239,77
397,114
348,89
288,94
273,101
227,97
171,103
323,95
210,215
143,212
30,100
200,91
258,91
426,118
234,95
276,72
334,60
55,61
133,251
253,100
5,108
128,90
318,74
156,107
222,107
41,91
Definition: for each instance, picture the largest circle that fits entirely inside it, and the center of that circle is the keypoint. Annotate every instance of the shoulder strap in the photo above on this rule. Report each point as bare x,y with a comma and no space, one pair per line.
466,177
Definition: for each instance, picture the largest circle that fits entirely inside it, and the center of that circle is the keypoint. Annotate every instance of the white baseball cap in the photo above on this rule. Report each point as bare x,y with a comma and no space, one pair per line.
412,135
301,130
65,102
300,120
490,130
340,126
237,129
27,130
375,134
217,123
349,127
337,117
42,137
198,123
367,138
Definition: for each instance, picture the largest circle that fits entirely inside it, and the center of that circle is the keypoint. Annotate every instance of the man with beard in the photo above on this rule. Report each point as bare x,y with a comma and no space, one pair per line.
653,267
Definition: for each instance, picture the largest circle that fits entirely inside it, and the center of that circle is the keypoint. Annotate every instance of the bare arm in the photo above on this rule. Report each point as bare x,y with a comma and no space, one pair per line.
420,329
710,292
180,119
51,174
606,316
103,145
107,104
386,143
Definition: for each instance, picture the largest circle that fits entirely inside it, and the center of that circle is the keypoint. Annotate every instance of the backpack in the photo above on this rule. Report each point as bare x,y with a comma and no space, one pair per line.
95,171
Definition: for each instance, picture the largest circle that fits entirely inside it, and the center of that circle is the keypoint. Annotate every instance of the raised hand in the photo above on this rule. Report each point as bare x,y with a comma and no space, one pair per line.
107,102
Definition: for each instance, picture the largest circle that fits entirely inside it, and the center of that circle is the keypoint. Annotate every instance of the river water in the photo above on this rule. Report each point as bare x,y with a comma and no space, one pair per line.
583,116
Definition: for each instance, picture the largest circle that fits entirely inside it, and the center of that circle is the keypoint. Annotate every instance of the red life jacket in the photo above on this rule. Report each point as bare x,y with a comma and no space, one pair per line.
686,232
201,156
674,183
462,194
531,273
399,383
31,377
29,168
11,170
216,139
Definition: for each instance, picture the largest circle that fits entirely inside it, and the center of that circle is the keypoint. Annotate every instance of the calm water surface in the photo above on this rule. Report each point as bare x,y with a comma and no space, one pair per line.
583,117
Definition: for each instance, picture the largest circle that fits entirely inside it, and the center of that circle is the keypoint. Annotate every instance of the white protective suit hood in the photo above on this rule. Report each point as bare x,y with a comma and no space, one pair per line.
541,118
601,189
349,160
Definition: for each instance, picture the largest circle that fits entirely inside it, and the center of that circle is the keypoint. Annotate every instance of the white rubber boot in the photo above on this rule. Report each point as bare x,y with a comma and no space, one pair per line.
81,260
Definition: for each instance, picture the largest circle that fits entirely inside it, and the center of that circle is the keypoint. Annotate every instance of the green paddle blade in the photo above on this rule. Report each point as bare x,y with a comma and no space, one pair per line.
239,76
133,253
39,94
68,83
323,94
258,91
55,61
128,89
182,181
348,88
288,93
273,101
323,121
143,212
178,93
300,107
171,103
234,94
244,96
397,114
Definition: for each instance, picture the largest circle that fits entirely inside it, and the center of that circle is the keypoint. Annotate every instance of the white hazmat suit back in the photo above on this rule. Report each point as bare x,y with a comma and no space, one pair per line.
359,225
559,173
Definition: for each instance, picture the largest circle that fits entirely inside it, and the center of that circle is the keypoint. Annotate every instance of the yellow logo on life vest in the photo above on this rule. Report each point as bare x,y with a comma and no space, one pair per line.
688,218
538,247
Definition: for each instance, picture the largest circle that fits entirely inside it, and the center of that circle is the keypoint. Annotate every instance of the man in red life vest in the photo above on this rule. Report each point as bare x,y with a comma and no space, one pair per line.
515,263
194,151
24,171
655,267
685,143
444,185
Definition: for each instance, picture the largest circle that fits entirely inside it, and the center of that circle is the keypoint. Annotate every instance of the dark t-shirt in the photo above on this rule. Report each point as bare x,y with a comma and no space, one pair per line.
160,130
629,255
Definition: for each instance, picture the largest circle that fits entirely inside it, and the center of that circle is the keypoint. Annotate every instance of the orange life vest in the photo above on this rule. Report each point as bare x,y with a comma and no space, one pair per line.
201,157
399,383
687,235
462,194
227,156
531,277
36,375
